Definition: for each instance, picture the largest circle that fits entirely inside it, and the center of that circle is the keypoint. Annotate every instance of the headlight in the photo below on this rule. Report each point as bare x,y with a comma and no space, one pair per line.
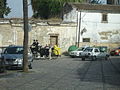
18,61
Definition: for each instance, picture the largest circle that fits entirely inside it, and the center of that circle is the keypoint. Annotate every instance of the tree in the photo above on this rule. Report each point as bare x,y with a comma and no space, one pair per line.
4,9
49,8
25,42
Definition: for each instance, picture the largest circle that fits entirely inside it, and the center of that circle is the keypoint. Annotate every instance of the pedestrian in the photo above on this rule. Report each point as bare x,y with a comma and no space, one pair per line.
36,45
50,52
56,50
33,48
46,50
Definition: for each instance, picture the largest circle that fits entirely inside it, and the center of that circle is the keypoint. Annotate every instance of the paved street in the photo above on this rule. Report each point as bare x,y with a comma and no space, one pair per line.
65,73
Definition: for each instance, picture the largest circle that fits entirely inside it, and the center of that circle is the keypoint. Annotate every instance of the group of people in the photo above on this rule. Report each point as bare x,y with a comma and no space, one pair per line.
46,51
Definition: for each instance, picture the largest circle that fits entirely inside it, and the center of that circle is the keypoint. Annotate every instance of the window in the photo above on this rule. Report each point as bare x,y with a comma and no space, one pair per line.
86,39
110,1
96,50
104,18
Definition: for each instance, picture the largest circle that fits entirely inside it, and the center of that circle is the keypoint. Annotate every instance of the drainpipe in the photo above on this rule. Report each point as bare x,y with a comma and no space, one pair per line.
79,27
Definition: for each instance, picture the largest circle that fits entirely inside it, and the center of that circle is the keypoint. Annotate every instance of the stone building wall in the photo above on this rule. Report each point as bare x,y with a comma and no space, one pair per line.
11,32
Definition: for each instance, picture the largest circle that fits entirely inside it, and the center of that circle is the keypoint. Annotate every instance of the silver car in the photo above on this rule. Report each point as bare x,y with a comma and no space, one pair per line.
13,57
76,52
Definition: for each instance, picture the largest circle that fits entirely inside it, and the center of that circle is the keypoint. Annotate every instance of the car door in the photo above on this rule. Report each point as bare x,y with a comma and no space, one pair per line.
96,52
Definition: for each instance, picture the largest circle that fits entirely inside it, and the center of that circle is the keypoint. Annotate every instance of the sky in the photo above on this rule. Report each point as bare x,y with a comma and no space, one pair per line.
17,9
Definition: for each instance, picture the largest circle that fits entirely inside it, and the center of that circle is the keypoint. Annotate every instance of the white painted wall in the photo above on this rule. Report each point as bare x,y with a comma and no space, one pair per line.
92,22
71,16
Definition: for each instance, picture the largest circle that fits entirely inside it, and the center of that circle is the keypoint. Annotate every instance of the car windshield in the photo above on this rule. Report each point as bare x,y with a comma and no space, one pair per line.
80,49
14,50
88,49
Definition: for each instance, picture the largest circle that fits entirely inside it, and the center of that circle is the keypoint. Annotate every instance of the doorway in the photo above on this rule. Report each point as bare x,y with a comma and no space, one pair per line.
54,40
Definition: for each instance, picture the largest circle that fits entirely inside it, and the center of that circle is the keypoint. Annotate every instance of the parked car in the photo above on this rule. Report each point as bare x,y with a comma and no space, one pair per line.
76,52
115,52
13,57
93,53
2,66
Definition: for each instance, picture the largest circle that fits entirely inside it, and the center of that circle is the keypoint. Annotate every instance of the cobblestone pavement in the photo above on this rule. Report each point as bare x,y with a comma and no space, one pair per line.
65,73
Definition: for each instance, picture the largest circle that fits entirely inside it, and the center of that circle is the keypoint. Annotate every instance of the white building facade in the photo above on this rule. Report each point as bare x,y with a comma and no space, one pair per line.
95,24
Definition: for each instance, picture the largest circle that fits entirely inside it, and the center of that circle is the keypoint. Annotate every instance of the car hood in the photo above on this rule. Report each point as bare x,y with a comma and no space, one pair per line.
12,56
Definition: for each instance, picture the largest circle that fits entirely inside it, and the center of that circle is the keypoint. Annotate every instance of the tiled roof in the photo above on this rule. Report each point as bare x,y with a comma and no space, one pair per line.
97,7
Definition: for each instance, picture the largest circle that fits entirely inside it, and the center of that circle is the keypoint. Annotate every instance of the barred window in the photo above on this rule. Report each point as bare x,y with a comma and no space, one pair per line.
86,39
104,18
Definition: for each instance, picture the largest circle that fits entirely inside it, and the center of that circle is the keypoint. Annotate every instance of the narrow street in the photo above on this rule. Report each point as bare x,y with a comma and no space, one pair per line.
65,73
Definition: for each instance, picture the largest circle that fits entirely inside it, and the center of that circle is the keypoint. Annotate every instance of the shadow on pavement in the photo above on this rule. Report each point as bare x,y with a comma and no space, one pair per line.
101,71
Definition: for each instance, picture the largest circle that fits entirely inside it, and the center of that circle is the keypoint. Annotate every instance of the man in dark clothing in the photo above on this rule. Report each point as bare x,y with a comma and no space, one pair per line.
36,45
47,50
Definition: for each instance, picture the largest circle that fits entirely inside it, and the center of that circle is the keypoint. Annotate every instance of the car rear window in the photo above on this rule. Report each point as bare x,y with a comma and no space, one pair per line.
88,49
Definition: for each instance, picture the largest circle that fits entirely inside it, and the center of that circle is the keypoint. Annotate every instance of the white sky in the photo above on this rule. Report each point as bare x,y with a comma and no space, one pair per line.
17,9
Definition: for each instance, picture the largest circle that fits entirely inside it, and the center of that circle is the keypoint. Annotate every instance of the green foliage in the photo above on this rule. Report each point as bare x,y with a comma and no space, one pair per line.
4,9
48,8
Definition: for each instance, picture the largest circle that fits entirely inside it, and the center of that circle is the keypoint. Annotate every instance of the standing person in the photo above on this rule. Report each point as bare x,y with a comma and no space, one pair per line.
50,52
56,50
47,50
36,42
33,48
36,45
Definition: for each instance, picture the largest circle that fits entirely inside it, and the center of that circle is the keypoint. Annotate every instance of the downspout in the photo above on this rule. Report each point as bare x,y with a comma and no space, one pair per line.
79,27
76,43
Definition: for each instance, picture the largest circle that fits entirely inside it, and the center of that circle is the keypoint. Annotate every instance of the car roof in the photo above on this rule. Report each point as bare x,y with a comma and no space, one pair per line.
15,46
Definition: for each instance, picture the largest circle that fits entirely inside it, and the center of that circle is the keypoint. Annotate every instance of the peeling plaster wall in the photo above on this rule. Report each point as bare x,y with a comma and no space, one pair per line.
66,35
98,31
13,34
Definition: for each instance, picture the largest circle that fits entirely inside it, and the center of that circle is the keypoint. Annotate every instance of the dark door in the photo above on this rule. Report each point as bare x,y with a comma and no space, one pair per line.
54,40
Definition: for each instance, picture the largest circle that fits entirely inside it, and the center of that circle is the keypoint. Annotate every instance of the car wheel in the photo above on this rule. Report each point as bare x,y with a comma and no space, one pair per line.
107,57
30,66
94,58
72,56
83,59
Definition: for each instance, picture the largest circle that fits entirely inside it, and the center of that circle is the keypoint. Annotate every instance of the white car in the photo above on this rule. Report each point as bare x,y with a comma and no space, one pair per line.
76,52
13,57
93,53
